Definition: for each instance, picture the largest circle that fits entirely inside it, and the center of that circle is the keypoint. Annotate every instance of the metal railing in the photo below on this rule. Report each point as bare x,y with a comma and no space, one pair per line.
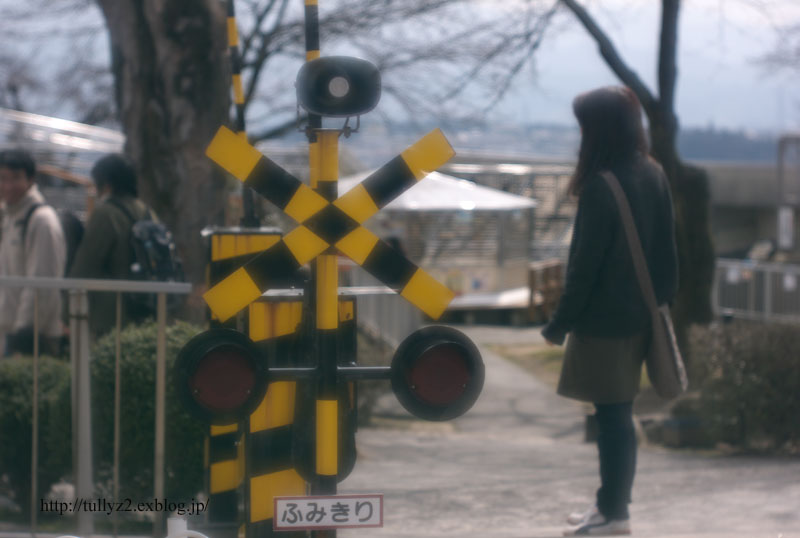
744,289
741,289
382,312
757,290
80,387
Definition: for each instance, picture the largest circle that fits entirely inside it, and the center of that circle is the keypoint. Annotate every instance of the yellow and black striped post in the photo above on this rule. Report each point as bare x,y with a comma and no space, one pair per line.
249,218
228,248
323,177
314,120
312,50
270,468
225,473
326,304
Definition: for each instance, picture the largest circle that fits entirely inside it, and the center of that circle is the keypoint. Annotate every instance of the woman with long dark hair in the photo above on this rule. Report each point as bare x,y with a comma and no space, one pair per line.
602,307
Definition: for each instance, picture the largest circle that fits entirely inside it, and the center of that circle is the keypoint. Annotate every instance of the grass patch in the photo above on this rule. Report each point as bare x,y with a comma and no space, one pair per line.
540,360
544,363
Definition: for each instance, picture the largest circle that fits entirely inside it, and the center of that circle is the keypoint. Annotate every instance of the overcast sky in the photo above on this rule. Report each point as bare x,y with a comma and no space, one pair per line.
719,81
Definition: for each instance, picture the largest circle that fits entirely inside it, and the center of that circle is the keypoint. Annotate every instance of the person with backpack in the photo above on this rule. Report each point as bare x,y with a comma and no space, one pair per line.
32,244
106,250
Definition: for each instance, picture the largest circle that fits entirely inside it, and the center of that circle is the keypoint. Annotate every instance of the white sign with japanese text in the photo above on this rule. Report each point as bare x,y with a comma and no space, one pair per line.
328,512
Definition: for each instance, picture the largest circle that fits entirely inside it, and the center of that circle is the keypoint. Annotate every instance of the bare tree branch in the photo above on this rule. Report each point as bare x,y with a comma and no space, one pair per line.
264,51
667,67
612,57
786,53
275,132
247,40
427,50
539,33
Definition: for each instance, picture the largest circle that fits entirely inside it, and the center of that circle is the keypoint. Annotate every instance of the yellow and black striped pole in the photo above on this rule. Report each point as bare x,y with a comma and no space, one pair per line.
326,303
270,467
225,473
222,440
314,120
323,177
312,45
224,456
249,218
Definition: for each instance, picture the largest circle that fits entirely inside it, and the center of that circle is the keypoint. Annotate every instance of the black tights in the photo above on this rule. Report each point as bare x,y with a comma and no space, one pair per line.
616,444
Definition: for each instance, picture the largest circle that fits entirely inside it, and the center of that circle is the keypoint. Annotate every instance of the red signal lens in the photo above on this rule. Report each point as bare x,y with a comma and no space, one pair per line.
223,379
437,373
221,376
440,374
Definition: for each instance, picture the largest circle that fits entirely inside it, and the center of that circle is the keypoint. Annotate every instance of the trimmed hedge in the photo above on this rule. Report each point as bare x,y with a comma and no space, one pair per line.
16,410
749,380
184,434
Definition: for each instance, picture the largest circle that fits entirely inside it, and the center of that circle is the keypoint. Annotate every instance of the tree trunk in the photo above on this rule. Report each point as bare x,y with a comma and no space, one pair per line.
690,190
172,91
692,202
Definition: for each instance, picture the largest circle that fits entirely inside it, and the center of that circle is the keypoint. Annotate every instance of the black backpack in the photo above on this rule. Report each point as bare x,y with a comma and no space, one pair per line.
71,225
153,252
153,257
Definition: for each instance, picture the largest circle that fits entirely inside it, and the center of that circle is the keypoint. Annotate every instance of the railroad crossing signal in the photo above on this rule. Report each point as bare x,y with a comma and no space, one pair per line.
338,86
223,378
323,224
436,373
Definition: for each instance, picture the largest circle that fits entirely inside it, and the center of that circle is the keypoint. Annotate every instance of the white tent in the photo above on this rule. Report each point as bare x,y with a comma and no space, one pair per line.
440,192
475,239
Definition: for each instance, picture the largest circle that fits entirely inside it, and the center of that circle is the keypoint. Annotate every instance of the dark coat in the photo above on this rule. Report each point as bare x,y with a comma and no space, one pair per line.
105,252
602,298
601,295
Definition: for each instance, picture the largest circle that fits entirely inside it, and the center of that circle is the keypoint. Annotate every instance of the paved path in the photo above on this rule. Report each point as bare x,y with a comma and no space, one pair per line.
515,465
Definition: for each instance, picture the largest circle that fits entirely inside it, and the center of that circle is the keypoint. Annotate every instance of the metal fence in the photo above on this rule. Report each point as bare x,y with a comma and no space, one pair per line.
80,388
757,290
383,312
741,289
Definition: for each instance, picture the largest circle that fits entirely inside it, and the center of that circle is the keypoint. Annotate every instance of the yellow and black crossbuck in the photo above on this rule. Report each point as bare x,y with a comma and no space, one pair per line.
323,224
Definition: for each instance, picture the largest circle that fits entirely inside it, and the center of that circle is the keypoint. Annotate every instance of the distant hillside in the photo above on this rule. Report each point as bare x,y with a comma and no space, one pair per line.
723,145
703,144
378,141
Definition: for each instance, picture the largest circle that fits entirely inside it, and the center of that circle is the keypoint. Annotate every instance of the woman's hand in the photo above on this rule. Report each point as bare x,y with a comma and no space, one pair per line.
551,337
546,341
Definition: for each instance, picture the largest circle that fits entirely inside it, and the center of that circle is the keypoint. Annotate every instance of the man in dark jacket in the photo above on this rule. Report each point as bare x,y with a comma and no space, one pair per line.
105,251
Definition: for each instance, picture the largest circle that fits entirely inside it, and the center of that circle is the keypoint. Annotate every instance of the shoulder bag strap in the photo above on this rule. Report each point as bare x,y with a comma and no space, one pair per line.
24,221
119,205
634,243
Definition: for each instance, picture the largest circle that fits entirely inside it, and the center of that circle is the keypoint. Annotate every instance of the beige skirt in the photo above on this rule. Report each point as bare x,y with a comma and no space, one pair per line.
602,370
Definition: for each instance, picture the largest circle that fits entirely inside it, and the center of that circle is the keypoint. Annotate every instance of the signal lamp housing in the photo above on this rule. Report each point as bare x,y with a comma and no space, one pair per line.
220,376
437,373
338,86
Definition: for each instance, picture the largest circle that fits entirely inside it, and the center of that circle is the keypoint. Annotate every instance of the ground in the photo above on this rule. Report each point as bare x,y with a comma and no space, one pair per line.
516,464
